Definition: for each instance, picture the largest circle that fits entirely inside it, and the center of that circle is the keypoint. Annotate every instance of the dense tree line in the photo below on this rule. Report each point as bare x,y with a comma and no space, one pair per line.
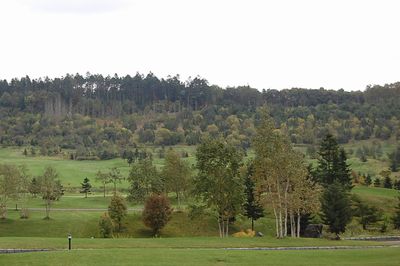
101,117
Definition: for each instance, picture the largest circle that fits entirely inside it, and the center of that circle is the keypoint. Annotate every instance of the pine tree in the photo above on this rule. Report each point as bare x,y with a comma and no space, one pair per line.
332,164
387,182
368,180
336,210
86,186
252,207
377,182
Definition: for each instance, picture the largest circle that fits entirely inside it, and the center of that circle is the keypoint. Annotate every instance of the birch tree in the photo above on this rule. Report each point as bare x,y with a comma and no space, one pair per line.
280,175
218,182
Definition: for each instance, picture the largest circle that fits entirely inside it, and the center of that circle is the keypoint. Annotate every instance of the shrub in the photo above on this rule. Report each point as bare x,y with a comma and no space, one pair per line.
106,226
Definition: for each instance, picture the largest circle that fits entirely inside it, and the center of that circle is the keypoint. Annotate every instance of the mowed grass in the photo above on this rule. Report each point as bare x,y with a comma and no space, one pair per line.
383,198
69,201
72,173
170,256
372,192
175,242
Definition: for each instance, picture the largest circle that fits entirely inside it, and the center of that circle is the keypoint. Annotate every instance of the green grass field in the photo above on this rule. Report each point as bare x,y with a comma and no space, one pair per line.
71,172
193,251
141,256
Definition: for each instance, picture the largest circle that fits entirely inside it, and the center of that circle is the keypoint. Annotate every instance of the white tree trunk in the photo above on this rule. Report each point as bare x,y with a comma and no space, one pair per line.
298,223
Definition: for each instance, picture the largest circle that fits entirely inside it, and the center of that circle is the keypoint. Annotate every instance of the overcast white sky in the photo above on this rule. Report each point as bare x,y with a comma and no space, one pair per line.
266,44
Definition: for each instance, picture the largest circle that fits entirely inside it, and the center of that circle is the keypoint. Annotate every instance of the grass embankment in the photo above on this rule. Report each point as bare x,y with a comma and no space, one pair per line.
85,224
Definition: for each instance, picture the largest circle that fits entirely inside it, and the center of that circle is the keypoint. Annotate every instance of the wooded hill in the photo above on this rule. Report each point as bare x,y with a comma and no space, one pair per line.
101,116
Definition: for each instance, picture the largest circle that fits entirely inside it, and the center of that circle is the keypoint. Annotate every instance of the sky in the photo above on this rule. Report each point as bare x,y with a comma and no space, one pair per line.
338,44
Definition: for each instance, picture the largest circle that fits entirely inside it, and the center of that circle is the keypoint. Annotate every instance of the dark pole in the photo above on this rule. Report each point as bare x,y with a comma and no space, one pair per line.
69,241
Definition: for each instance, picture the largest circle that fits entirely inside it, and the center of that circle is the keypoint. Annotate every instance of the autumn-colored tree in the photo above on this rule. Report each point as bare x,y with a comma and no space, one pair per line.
156,213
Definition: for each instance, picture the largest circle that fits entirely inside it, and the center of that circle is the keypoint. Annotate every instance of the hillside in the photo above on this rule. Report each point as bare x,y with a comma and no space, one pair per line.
101,117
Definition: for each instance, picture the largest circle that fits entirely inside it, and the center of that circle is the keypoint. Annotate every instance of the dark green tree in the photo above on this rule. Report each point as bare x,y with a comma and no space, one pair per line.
368,180
387,182
332,164
86,186
377,182
252,207
336,208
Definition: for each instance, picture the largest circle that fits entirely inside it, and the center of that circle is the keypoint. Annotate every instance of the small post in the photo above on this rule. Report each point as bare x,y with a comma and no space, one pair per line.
69,241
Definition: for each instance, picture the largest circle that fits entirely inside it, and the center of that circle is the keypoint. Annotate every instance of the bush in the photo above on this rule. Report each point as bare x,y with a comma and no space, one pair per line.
106,226
157,212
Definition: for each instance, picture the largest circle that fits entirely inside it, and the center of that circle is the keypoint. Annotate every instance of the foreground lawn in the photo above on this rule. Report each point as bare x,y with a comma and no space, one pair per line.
167,256
177,242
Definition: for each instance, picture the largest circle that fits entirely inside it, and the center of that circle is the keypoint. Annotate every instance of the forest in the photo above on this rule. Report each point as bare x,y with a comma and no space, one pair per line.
97,117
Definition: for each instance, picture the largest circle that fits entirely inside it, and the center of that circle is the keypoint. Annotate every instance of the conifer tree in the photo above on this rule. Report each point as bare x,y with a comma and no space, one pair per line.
252,207
368,180
335,205
332,165
86,186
